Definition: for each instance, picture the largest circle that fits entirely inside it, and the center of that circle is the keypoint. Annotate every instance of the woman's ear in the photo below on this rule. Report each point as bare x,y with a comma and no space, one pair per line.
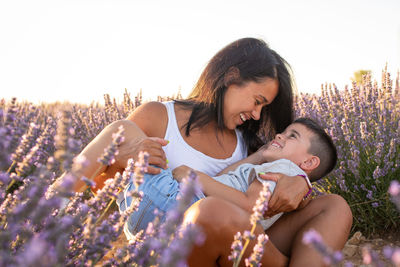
310,164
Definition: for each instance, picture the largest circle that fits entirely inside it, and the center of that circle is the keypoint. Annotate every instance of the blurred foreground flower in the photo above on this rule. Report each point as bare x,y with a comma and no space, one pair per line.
314,239
237,247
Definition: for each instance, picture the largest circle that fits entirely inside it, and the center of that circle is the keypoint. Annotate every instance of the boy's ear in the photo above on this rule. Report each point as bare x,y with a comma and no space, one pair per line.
310,164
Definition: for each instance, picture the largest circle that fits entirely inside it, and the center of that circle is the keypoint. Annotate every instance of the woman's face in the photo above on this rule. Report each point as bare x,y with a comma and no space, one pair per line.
244,102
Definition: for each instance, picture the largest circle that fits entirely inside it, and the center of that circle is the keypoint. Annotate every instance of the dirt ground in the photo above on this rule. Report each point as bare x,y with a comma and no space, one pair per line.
354,246
352,250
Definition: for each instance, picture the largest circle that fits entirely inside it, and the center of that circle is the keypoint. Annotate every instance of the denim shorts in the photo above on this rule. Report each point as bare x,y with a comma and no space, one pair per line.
159,192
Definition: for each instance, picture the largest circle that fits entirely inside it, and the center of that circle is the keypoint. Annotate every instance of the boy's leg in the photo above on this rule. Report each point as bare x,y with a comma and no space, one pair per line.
158,191
220,220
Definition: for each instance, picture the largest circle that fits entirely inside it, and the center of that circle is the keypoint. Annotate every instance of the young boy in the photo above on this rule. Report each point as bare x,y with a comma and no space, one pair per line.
302,149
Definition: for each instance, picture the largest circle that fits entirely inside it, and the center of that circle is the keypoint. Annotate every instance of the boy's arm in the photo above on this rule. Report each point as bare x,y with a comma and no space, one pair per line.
211,187
245,200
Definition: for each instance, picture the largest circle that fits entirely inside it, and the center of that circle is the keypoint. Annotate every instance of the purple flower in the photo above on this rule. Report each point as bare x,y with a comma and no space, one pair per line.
371,257
108,157
311,236
314,239
236,247
261,205
396,257
4,178
394,188
258,251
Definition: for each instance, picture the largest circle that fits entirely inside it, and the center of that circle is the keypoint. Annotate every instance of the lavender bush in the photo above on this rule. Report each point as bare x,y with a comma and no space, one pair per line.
44,223
370,257
364,122
38,143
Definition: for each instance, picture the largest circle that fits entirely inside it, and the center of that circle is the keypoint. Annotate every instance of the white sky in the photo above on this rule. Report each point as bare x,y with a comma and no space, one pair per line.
77,50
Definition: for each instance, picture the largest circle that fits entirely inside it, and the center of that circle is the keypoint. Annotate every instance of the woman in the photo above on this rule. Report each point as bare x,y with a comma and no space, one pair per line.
245,90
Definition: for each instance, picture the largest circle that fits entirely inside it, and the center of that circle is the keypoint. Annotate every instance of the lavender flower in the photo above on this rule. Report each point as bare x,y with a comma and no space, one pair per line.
236,247
258,251
314,239
259,208
371,257
65,145
178,250
26,143
108,157
261,205
394,191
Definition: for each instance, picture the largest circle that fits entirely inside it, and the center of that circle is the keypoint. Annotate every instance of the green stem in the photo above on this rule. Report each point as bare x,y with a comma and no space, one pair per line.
237,262
92,177
96,172
13,181
105,211
369,201
12,166
10,185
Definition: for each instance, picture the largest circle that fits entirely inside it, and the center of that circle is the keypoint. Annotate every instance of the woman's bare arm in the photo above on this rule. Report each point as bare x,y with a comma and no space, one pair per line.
137,128
128,149
255,158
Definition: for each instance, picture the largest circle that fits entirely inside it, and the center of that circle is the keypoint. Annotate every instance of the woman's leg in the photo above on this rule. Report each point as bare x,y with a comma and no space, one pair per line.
329,215
220,221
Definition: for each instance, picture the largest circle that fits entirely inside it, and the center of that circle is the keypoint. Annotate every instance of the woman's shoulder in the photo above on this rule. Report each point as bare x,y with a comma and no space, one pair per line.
151,117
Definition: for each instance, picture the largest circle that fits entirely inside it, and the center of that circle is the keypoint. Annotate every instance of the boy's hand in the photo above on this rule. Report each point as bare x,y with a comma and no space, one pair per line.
288,193
180,172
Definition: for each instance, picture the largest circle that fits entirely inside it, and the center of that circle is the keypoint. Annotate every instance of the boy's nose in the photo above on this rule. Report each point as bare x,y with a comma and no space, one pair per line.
279,136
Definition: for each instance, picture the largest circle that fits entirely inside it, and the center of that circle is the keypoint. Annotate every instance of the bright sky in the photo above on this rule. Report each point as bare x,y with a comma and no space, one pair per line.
77,50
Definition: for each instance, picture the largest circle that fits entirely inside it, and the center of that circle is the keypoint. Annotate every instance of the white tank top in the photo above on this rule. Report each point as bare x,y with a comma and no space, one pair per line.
178,152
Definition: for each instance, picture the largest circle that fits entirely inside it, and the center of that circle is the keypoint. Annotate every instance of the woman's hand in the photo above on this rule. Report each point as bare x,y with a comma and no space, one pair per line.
152,145
288,194
261,155
180,172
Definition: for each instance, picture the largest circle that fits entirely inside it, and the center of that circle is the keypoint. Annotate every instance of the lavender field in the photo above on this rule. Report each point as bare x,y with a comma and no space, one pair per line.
38,143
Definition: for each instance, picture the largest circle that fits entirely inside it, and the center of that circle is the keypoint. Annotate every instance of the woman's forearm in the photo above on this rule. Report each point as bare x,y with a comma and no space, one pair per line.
96,148
255,158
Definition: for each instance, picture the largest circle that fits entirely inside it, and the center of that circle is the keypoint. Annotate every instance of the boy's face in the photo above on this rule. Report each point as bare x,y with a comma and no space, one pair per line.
292,144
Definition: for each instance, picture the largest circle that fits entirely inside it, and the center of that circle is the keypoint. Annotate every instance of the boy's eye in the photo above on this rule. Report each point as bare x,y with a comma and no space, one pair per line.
257,102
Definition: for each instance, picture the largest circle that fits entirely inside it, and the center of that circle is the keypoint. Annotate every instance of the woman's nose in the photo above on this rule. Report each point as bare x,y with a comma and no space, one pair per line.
255,114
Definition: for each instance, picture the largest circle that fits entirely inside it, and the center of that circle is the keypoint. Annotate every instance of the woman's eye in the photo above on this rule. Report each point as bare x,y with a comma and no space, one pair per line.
257,102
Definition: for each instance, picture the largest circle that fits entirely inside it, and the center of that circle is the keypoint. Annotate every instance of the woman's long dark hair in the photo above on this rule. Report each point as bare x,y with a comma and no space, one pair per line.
253,60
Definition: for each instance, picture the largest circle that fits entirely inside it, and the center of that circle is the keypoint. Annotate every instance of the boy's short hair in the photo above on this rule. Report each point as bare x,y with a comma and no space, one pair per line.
321,146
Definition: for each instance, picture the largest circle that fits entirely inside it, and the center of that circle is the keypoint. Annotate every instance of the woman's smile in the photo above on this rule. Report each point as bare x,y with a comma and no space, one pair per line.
245,102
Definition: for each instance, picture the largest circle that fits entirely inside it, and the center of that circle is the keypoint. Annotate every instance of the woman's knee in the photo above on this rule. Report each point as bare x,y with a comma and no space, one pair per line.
338,206
216,214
